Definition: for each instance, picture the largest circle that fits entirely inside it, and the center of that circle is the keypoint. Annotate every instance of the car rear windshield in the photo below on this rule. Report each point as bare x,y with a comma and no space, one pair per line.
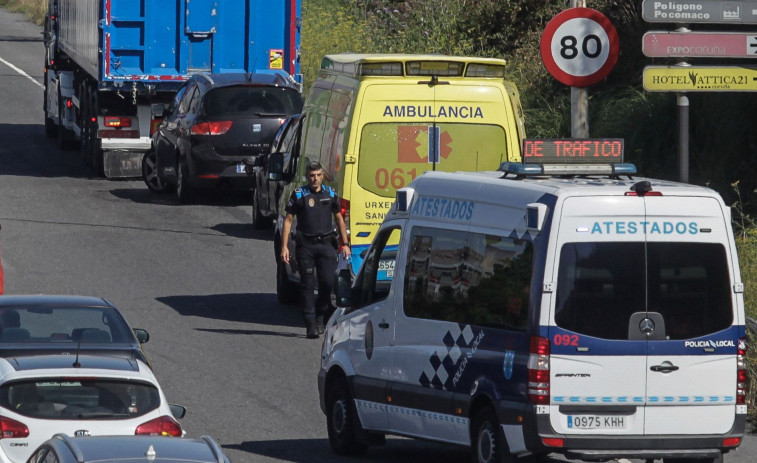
601,284
64,324
79,399
252,101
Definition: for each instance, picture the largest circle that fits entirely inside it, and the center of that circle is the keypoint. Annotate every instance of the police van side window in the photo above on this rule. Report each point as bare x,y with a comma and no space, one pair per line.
469,278
375,279
601,284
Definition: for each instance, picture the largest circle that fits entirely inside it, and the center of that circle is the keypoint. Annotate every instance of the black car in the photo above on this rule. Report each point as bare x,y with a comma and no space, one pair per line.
215,122
267,189
57,324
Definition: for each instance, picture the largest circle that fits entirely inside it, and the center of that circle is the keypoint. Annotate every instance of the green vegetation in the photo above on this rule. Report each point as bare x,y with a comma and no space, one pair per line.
722,143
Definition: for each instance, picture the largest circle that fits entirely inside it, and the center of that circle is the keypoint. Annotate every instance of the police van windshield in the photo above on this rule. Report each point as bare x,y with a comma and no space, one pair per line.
393,154
601,284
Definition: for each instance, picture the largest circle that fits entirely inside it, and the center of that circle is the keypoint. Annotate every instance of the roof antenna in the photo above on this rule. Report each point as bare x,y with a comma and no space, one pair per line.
76,362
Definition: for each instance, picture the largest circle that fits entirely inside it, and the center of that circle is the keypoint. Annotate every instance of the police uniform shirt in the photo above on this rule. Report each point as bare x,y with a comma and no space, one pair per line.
313,210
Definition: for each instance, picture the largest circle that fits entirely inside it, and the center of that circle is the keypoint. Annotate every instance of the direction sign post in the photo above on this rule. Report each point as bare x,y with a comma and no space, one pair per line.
699,11
579,47
664,44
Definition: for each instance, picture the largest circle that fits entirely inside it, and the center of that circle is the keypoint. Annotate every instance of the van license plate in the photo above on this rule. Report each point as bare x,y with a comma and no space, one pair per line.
596,422
386,265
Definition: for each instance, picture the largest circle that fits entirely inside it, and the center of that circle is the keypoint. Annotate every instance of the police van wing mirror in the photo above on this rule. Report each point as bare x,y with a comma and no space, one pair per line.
343,288
536,213
276,166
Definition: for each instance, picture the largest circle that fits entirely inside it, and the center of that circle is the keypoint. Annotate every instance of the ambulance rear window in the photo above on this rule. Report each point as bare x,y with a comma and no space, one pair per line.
601,284
393,154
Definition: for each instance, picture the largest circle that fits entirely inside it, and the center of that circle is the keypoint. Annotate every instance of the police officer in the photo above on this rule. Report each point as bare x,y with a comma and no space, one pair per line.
314,205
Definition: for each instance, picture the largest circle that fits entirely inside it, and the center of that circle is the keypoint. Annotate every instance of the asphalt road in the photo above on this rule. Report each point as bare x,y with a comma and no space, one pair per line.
197,277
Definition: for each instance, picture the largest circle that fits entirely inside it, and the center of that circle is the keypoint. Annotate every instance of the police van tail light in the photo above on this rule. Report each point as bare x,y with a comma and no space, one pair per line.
11,428
161,426
741,376
538,371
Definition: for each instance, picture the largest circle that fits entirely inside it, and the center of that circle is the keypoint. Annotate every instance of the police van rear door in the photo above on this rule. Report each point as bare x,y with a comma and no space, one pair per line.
644,335
691,366
597,373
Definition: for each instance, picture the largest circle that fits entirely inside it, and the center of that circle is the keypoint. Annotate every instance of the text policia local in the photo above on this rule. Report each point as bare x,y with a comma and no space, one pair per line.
675,10
608,149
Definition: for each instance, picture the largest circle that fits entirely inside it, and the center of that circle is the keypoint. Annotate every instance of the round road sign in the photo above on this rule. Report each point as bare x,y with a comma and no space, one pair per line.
579,47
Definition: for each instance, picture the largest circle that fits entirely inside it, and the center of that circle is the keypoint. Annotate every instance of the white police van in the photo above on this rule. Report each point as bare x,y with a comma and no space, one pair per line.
542,309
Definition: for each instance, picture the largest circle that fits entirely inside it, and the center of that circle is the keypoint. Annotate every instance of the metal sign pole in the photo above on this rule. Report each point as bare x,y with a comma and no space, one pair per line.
683,137
579,99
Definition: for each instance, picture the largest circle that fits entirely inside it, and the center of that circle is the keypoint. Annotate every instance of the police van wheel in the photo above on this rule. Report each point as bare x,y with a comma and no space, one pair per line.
343,422
486,437
286,292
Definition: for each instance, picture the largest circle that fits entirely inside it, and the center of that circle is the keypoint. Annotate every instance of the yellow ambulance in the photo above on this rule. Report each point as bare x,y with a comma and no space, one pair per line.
375,122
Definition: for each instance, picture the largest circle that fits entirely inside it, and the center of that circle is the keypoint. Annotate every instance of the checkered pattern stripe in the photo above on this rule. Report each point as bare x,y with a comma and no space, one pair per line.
445,361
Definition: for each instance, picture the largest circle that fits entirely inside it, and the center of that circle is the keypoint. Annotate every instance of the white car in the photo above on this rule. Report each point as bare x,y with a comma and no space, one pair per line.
79,395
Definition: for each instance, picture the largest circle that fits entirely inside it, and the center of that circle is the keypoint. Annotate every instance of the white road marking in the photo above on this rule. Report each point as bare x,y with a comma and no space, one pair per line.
21,72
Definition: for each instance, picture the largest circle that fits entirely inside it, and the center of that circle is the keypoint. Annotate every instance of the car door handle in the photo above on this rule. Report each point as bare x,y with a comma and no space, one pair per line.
383,325
663,368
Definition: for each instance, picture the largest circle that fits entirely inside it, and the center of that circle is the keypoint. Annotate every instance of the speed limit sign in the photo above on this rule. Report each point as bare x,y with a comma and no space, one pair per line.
579,47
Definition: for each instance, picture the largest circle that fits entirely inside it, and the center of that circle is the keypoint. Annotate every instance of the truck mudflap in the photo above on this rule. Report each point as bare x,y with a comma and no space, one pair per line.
122,163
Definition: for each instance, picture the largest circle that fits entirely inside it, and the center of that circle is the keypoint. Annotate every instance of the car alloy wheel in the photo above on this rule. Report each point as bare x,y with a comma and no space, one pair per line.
150,173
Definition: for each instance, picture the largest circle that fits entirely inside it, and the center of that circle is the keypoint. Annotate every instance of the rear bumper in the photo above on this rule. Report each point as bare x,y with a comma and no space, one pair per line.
207,172
641,447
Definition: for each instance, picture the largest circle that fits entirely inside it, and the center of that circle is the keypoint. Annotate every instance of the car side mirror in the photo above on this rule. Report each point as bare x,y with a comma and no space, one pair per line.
158,109
178,411
276,166
343,289
142,335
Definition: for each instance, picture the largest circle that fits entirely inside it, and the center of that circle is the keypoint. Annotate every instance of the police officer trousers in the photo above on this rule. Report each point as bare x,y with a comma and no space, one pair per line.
316,257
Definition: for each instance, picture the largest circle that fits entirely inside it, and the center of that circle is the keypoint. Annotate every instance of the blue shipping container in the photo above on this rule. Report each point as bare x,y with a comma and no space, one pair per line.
158,40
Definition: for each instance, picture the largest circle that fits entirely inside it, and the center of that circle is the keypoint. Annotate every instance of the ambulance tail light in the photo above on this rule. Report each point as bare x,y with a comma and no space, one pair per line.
344,209
741,376
538,371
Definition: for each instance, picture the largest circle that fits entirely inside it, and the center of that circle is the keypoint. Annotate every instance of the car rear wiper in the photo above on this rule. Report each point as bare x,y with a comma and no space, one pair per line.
270,114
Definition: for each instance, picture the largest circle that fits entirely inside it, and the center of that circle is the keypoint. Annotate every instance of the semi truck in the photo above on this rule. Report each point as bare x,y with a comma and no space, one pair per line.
112,66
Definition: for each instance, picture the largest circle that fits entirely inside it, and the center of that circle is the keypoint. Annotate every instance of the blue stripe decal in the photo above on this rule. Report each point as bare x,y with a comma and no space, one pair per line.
564,342
649,400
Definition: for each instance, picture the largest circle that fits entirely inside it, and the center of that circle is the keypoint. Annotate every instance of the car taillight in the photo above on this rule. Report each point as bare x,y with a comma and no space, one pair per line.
162,426
211,128
538,371
344,209
11,428
154,125
117,121
741,376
